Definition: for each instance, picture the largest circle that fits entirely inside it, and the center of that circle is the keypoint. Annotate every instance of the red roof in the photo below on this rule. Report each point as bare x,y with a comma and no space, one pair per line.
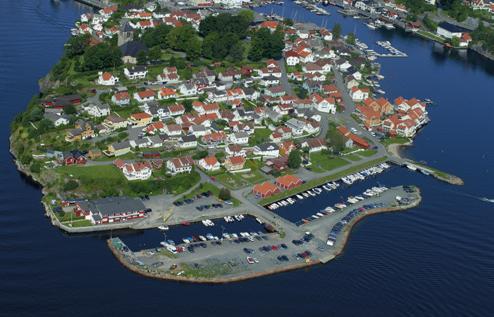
140,116
265,189
288,181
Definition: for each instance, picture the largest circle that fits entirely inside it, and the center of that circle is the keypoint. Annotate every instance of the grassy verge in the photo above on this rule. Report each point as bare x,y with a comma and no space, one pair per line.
204,187
395,140
324,162
367,153
319,181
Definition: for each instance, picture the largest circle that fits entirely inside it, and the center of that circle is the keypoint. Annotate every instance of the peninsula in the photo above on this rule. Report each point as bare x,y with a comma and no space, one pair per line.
162,117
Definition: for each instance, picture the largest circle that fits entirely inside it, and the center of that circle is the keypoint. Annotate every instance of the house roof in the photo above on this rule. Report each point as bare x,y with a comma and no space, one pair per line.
288,180
265,188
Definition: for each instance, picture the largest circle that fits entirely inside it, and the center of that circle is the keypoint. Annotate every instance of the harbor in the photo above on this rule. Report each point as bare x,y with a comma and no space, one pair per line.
225,260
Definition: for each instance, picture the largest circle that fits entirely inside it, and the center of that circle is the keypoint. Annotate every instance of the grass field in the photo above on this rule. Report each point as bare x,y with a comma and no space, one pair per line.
352,157
232,181
322,162
367,153
260,136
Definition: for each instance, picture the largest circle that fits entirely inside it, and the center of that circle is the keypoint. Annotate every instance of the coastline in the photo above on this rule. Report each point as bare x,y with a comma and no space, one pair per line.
338,250
396,149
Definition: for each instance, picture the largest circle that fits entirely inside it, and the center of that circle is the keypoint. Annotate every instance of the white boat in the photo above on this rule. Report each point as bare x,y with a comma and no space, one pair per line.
411,167
329,209
259,221
371,25
203,238
234,236
305,195
320,214
163,228
300,197
317,190
389,26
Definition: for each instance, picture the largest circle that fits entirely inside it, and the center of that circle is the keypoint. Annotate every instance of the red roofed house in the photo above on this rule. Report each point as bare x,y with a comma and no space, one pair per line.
144,95
121,98
166,93
270,25
370,117
180,165
234,163
141,119
265,189
209,163
107,79
354,138
288,181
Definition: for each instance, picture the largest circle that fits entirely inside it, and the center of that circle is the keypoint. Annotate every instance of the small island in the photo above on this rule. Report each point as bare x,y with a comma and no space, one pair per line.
157,118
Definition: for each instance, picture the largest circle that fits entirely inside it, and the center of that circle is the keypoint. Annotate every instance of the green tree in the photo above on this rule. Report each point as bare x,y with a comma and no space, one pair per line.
102,56
224,194
350,39
70,185
70,109
154,53
76,45
294,159
336,31
142,57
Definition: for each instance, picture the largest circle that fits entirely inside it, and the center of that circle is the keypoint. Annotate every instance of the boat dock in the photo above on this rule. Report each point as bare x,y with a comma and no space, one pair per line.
312,7
393,52
97,4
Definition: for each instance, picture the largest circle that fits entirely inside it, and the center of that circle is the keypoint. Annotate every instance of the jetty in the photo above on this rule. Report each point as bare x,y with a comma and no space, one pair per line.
97,4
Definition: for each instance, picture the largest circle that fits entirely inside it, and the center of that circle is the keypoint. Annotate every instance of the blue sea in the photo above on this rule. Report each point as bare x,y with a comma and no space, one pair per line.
433,260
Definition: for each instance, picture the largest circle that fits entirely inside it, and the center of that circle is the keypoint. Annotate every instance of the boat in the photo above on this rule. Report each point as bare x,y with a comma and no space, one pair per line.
163,228
389,26
411,167
329,209
300,197
317,190
250,260
259,221
185,223
371,25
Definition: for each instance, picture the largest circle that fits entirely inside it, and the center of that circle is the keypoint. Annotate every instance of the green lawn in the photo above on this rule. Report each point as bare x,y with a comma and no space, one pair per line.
316,182
324,162
260,136
395,140
367,153
107,180
253,177
204,187
92,172
352,157
232,181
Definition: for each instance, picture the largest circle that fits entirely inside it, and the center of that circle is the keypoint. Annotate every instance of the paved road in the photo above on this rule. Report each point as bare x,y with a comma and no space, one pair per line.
284,78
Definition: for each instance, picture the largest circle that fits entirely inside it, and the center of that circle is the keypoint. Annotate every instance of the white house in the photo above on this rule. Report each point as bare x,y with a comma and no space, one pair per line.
267,150
359,94
97,110
179,165
209,163
239,138
107,79
135,171
135,72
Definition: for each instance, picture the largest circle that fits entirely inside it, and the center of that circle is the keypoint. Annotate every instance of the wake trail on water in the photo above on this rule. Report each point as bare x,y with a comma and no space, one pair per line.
464,194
